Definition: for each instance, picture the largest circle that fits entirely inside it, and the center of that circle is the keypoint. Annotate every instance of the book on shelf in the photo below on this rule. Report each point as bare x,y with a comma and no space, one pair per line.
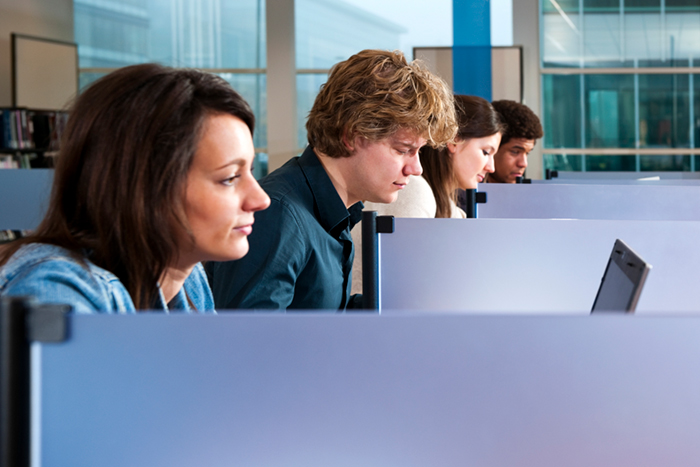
29,129
9,235
7,161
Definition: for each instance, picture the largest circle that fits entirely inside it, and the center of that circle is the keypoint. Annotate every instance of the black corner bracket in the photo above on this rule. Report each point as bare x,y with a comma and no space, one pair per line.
47,323
385,224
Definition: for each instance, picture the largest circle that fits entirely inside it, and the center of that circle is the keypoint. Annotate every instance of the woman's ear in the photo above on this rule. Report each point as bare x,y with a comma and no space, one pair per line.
452,148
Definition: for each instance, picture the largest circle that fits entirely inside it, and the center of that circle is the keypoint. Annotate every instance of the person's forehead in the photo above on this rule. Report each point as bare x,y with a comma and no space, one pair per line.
524,143
407,136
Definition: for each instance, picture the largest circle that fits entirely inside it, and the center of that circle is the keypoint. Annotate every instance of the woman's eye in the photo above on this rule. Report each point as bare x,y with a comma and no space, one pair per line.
230,181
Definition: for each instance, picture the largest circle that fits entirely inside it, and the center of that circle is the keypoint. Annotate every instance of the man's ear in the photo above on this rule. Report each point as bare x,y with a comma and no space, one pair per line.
348,143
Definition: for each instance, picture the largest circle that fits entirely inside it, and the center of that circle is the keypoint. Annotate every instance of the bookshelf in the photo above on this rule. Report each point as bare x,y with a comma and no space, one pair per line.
29,137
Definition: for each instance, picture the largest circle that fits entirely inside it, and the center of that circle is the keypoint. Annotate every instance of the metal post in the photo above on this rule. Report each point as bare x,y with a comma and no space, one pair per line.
370,261
14,382
471,204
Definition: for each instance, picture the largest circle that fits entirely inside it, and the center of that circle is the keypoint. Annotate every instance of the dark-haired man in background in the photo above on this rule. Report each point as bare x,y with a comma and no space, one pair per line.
523,129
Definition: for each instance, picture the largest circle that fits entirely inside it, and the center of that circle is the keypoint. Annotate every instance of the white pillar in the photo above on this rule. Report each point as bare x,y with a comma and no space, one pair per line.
526,32
281,83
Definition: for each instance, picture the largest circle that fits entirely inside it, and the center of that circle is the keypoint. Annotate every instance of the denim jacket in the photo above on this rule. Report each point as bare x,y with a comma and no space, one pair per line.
51,274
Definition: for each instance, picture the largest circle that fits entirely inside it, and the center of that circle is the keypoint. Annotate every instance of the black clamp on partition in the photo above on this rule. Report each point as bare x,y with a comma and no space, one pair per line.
550,174
522,180
22,321
473,198
371,226
385,224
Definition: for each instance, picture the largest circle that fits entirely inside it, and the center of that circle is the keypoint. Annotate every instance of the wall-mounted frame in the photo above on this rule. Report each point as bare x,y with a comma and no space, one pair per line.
44,72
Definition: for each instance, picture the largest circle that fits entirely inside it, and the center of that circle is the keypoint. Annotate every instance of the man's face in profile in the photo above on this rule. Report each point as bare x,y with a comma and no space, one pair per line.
378,170
511,160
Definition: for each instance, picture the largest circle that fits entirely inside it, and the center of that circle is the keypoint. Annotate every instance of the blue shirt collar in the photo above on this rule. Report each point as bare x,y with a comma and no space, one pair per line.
333,215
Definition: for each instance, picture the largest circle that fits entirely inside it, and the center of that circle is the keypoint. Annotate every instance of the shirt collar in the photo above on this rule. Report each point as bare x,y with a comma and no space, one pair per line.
333,216
179,302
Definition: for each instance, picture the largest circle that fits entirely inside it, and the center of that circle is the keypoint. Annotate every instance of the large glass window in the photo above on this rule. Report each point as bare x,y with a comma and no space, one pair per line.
228,37
185,33
614,33
224,36
611,84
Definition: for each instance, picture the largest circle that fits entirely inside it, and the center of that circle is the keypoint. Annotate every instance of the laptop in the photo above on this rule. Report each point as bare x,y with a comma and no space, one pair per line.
622,281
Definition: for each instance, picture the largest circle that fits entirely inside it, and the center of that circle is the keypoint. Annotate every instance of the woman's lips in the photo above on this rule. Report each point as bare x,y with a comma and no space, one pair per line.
244,229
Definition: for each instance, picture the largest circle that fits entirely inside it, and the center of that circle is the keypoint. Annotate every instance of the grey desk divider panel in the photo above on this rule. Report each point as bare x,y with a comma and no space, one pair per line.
532,265
370,390
624,202
24,196
612,181
567,175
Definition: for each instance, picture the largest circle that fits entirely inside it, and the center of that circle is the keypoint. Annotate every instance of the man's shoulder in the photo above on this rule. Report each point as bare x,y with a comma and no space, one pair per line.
288,189
285,181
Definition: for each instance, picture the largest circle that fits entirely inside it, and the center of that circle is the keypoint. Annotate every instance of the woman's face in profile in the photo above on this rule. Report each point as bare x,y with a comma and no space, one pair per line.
472,159
221,194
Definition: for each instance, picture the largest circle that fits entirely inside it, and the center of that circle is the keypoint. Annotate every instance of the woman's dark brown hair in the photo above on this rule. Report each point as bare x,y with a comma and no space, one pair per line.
122,169
476,119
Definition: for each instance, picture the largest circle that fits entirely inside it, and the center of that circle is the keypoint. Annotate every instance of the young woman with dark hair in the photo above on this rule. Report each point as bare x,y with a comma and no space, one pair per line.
464,163
153,177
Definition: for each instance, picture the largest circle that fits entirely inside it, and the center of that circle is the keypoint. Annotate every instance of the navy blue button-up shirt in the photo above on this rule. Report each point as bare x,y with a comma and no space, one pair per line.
300,250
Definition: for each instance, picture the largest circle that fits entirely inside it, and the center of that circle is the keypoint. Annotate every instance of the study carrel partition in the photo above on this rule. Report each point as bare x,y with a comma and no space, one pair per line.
583,201
566,176
24,197
531,265
365,389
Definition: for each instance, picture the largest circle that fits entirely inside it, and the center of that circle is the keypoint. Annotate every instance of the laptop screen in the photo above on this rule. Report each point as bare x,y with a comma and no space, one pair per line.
622,281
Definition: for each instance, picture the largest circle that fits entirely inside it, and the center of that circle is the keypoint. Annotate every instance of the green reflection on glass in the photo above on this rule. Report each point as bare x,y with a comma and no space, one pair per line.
562,162
664,163
664,111
609,110
562,114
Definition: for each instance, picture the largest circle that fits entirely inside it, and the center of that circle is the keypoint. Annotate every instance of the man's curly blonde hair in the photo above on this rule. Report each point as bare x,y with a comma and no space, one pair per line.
375,93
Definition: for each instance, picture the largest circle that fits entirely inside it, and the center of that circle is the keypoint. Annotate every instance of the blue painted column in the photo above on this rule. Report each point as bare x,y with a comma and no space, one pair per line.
471,50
